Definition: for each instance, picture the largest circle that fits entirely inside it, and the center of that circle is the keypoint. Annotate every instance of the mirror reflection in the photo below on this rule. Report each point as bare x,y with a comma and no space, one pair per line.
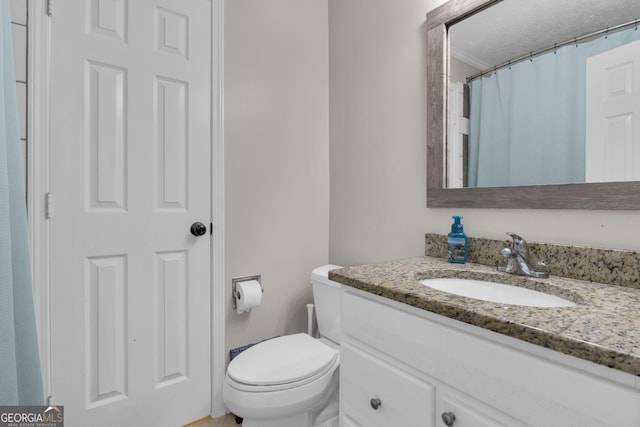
541,93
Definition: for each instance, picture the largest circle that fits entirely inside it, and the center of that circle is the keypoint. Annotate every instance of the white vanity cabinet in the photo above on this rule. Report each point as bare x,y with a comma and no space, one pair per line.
404,366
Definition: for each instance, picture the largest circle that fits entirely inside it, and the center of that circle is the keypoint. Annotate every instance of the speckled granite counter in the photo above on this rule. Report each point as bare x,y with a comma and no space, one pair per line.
603,327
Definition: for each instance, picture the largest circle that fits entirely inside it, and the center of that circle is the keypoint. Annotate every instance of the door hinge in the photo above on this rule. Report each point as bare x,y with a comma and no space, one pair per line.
48,206
49,7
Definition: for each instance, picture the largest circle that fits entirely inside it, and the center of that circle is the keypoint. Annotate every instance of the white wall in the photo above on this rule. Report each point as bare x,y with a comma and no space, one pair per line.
378,135
276,158
378,154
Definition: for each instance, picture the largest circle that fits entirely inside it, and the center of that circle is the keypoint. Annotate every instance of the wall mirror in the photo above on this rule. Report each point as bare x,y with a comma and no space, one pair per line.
500,31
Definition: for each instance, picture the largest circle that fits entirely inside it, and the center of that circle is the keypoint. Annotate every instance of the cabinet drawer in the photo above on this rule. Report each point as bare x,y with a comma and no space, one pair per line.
403,398
463,411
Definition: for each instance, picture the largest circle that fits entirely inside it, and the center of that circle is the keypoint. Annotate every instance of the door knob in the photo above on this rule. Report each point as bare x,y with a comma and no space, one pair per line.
198,229
449,418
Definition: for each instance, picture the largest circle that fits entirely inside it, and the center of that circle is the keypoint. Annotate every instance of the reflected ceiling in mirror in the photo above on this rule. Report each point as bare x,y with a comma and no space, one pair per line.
615,195
536,116
513,28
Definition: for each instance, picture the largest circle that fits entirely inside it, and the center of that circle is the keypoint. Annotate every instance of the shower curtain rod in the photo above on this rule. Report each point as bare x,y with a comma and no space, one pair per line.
539,52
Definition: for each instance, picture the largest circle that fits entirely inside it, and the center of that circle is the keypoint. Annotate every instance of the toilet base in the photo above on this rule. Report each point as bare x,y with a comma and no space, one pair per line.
325,413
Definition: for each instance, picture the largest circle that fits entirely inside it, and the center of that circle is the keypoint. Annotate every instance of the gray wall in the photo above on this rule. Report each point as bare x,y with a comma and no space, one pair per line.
276,158
377,145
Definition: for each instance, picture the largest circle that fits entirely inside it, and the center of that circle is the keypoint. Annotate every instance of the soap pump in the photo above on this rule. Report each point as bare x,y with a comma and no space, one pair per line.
457,242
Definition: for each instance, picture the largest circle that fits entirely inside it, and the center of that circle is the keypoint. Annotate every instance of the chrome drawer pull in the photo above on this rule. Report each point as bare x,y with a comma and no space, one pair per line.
375,403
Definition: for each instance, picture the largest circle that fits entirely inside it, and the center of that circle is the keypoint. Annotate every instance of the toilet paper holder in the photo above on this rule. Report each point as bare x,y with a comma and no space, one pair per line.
235,280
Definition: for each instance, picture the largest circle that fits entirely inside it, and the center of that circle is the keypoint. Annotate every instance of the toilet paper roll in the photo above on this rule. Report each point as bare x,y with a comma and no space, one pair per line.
248,295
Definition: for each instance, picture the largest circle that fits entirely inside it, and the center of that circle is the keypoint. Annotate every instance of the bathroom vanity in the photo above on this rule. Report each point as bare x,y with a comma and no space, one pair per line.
412,355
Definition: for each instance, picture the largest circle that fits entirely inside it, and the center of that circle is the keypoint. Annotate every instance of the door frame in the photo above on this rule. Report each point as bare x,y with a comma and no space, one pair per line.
38,187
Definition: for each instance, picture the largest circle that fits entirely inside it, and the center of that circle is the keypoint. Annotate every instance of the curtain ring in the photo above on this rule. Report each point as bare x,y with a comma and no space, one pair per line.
555,48
531,57
509,64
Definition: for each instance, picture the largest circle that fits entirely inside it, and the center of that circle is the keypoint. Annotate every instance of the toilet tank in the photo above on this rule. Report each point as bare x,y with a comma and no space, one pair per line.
327,296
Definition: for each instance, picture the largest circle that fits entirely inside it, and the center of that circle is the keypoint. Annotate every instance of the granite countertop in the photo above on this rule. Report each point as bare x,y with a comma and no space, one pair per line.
603,327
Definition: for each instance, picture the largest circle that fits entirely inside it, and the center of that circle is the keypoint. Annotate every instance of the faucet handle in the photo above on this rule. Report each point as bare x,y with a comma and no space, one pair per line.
506,252
520,245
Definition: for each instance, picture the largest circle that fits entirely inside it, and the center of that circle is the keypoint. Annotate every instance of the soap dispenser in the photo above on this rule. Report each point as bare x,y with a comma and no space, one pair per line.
457,242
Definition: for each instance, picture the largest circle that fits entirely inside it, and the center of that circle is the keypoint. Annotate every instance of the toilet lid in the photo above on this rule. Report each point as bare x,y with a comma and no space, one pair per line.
281,360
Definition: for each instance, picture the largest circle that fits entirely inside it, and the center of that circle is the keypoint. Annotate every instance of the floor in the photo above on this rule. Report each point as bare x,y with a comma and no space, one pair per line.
228,420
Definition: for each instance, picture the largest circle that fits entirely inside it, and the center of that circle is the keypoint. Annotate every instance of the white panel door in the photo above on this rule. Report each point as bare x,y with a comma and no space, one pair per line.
130,174
613,115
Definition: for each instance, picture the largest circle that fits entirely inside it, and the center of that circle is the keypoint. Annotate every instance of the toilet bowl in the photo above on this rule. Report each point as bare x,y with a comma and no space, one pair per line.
291,381
282,382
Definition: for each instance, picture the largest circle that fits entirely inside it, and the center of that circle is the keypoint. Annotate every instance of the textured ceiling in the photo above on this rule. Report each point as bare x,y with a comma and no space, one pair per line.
513,28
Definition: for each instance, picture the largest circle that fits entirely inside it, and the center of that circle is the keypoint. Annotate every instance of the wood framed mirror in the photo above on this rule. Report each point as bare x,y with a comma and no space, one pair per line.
597,196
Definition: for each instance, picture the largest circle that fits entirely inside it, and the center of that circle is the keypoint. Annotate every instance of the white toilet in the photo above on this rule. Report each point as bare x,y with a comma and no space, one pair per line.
291,381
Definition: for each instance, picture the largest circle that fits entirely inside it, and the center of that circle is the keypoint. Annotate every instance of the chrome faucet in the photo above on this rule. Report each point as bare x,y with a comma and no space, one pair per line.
518,261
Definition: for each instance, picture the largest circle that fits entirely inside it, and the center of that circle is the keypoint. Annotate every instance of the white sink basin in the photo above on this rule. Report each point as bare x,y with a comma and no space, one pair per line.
496,292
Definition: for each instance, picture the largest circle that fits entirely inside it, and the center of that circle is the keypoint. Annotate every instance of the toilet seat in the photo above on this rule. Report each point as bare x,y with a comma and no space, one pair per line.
282,363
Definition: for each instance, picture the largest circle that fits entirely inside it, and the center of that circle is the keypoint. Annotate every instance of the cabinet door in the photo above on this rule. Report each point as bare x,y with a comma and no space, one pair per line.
456,409
376,393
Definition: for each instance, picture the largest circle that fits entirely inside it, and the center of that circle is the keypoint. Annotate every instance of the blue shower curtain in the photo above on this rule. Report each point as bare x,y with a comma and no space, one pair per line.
20,377
527,122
